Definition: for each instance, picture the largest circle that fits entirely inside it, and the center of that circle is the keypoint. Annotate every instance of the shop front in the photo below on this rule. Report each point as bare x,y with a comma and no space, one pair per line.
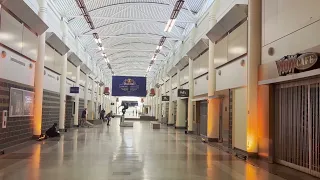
294,126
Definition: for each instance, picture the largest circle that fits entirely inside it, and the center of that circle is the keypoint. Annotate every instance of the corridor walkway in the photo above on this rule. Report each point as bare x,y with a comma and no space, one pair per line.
114,153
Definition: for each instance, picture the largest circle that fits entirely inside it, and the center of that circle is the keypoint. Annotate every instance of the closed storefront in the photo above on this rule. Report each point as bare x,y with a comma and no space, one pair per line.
297,126
203,118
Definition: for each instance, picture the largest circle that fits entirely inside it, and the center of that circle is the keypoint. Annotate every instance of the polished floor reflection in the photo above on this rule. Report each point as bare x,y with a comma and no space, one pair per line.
114,153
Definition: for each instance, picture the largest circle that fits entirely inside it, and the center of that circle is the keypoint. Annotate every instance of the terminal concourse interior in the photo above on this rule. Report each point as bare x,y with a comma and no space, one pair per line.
193,89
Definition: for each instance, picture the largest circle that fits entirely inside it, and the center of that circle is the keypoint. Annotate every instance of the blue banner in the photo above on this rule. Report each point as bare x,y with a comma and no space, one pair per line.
129,86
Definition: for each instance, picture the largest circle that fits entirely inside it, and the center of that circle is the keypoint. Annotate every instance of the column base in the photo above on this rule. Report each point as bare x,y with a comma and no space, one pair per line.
177,127
35,136
63,130
189,132
208,139
244,154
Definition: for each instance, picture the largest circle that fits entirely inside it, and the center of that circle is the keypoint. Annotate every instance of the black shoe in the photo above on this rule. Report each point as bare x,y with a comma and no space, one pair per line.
108,124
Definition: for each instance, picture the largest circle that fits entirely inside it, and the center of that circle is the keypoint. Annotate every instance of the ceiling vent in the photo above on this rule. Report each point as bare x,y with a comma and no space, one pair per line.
236,15
25,14
201,46
182,63
74,59
56,43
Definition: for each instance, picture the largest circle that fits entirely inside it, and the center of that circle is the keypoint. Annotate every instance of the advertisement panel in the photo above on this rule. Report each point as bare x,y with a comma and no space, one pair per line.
129,86
21,103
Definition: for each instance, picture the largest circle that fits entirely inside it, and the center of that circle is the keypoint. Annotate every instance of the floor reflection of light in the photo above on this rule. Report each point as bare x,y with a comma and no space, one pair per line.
61,152
251,172
209,161
34,166
75,144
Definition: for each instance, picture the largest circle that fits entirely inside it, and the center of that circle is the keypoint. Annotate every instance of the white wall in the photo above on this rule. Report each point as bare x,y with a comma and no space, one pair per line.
174,81
168,86
51,81
81,94
232,75
289,26
240,119
200,65
17,37
53,60
184,75
21,71
174,94
201,86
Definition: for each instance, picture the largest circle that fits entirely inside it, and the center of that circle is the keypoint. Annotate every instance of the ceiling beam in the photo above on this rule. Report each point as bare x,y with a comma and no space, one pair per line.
130,19
131,37
137,50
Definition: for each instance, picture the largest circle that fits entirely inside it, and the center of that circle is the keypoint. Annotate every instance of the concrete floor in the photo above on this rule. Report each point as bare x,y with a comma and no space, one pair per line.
114,153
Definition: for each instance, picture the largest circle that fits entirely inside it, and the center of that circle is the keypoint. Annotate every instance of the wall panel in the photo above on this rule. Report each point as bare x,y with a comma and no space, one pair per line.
19,129
23,68
174,81
240,118
201,85
283,17
238,42
51,81
184,75
200,65
232,75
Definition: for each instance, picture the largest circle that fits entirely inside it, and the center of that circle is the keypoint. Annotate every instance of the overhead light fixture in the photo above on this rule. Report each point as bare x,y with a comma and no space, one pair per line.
154,57
102,48
159,47
99,40
170,25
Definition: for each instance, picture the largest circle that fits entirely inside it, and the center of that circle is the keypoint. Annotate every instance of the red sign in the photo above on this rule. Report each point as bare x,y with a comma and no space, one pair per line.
106,91
152,92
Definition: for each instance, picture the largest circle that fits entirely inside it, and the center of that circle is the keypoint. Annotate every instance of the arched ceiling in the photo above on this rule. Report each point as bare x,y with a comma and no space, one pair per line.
130,30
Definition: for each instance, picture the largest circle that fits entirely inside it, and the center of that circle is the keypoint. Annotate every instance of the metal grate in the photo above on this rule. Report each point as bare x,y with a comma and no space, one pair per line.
297,125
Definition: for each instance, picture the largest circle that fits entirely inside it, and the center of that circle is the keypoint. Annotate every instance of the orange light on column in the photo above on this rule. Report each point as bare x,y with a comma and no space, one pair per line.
37,119
34,163
213,118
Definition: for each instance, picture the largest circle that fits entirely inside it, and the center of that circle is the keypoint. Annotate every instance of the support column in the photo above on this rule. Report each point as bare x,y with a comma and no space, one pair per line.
153,106
101,97
190,103
63,80
39,69
213,103
76,108
181,108
92,100
96,113
86,89
170,118
254,60
160,104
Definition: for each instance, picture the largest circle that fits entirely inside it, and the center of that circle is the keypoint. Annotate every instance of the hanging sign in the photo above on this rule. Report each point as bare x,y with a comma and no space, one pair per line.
106,91
165,98
129,86
297,63
152,92
74,90
183,92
